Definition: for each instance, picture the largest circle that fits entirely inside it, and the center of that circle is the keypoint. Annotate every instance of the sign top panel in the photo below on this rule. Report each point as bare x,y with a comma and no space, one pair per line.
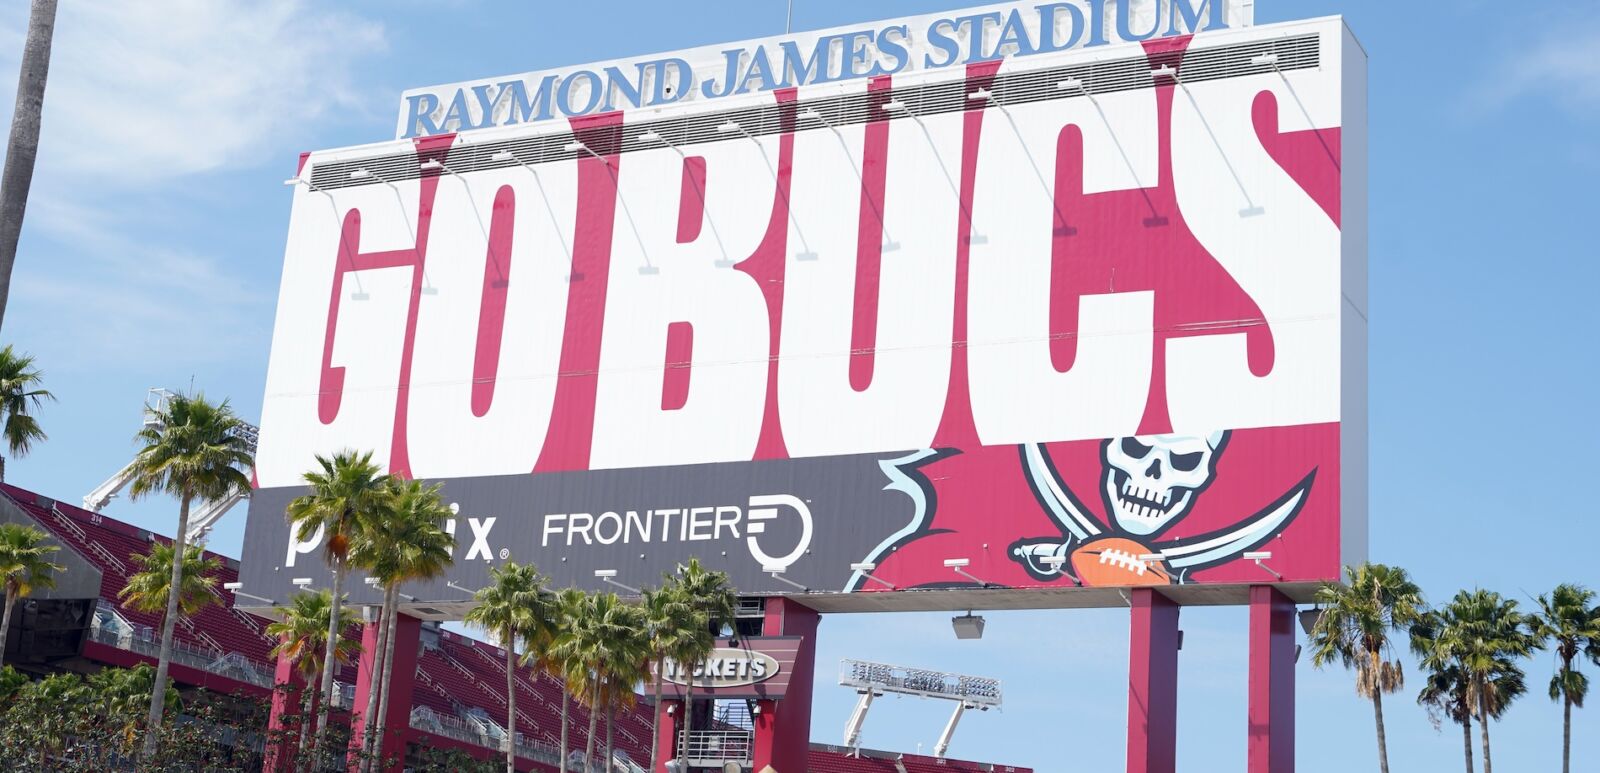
865,50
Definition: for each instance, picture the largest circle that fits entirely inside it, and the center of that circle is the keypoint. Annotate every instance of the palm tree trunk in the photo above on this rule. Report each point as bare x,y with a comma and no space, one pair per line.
1383,746
5,620
23,148
610,747
566,699
655,721
169,621
391,606
1483,728
326,688
1567,727
305,727
374,688
510,642
1466,740
688,720
594,718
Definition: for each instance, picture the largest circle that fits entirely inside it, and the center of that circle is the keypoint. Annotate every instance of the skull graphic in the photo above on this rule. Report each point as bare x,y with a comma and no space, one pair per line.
1151,481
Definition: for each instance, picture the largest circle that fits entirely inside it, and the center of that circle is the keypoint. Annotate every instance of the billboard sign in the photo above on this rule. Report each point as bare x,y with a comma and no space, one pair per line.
1091,318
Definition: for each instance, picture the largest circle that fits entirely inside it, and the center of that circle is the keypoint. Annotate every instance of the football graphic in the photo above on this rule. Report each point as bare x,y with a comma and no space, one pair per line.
1115,561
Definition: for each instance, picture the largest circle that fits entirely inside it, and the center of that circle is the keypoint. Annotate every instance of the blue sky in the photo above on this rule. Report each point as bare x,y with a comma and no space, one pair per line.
155,232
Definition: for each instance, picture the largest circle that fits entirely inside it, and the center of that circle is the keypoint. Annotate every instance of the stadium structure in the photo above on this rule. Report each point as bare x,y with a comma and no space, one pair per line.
458,700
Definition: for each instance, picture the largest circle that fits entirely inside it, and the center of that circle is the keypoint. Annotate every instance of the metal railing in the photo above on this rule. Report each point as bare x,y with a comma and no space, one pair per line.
711,748
481,731
143,641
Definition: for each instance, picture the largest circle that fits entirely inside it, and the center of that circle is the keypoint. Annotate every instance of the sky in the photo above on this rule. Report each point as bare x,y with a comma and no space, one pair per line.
155,234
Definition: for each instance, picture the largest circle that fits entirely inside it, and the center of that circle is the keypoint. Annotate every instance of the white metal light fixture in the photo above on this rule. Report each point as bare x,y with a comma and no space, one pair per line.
1166,70
301,582
1059,564
609,576
360,174
960,566
1265,60
895,106
1261,556
503,156
866,568
777,574
1072,84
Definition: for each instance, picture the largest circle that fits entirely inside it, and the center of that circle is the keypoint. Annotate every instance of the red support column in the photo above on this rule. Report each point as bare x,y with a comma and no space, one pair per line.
667,733
408,636
1152,683
1272,619
765,744
786,745
283,725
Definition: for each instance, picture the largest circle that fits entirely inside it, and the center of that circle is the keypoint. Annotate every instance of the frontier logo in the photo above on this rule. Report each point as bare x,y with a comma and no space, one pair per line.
711,523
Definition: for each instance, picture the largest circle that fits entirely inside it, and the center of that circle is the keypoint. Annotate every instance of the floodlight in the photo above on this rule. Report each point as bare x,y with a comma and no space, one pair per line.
430,164
809,115
293,181
1259,557
729,126
1055,561
894,106
981,95
1071,84
967,626
605,573
955,562
574,146
608,576
503,156
1267,60
232,585
301,582
360,174
865,568
372,581
648,137
777,574
1150,558
1309,618
1166,70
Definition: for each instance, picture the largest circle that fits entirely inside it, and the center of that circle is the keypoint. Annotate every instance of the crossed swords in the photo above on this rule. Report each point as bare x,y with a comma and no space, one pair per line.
1185,554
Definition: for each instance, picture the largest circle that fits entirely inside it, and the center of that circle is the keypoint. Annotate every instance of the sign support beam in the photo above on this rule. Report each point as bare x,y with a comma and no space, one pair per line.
1152,683
1271,713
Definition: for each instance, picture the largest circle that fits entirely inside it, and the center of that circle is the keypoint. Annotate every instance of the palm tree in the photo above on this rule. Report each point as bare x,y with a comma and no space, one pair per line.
628,664
512,607
1570,621
595,646
669,622
302,637
407,543
1445,693
1485,634
1354,628
147,588
24,565
193,450
20,395
24,145
561,659
709,594
348,492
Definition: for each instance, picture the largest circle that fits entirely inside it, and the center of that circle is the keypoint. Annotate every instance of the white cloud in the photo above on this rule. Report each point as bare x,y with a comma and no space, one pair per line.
140,91
1562,67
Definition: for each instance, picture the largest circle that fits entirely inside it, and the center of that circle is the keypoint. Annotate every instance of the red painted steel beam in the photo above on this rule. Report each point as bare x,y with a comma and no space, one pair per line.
1152,683
1272,619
